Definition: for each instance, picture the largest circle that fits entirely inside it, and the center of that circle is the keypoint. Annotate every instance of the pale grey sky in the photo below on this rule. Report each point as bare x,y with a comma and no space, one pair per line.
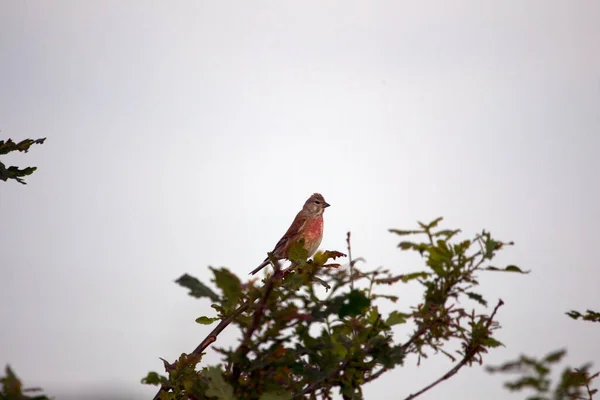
186,134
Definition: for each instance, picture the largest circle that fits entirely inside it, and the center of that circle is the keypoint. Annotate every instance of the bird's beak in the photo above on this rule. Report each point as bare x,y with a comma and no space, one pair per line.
325,204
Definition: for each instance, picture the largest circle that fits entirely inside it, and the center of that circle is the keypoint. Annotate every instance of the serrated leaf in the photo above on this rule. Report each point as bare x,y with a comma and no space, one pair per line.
297,253
153,378
23,146
275,396
323,256
217,386
197,289
396,318
206,320
592,316
354,304
491,246
229,283
477,297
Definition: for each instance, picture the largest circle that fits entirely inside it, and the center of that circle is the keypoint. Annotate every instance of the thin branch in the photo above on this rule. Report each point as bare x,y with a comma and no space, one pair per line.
351,262
212,336
316,384
469,354
244,346
404,347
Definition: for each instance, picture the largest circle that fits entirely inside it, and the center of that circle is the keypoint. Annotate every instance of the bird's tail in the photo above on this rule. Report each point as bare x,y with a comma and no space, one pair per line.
261,266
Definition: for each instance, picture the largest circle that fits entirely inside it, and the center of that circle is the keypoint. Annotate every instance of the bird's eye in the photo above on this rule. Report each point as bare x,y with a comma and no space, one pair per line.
317,201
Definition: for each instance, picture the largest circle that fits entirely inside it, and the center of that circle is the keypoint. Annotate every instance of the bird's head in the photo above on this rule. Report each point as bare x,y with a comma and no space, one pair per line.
315,205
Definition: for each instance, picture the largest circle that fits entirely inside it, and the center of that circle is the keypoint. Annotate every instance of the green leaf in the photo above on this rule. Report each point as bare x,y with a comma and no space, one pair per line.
23,146
206,320
435,222
514,268
321,257
447,233
477,297
12,386
197,288
355,303
590,315
217,386
430,225
510,268
414,275
490,247
229,284
405,233
396,318
491,342
153,378
275,396
297,253
555,356
13,172
407,245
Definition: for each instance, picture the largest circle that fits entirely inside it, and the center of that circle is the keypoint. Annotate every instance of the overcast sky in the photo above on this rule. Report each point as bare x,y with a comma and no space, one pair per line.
186,134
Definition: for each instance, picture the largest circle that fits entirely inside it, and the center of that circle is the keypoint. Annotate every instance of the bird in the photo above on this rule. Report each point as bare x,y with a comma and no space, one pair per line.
307,225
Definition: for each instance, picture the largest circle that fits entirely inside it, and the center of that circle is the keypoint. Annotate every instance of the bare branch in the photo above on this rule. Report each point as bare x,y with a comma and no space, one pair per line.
351,262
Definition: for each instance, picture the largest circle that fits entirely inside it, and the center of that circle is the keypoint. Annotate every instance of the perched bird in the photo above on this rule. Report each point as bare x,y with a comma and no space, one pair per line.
307,225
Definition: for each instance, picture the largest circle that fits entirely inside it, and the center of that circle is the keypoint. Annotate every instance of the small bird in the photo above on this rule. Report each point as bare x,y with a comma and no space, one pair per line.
307,225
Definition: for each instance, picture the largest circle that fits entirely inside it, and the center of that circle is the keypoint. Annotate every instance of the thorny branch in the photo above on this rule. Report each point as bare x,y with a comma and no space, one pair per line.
212,336
469,354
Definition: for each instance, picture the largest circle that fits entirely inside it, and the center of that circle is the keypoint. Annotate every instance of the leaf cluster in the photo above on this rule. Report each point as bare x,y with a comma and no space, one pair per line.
14,172
11,388
535,375
316,327
591,316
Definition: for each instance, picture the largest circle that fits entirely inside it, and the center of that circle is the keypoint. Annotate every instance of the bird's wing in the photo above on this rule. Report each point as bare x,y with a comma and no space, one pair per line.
291,235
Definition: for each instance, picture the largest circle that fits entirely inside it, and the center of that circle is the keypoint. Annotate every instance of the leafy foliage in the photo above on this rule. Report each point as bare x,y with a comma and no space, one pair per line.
574,383
14,172
592,316
315,328
11,388
535,374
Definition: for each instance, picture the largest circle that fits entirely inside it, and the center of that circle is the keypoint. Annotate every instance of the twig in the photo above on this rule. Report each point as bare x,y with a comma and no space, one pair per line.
316,384
243,349
351,262
469,353
404,347
212,336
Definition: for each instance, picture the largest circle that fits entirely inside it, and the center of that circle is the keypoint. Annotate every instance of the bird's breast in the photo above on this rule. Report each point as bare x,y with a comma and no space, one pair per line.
313,234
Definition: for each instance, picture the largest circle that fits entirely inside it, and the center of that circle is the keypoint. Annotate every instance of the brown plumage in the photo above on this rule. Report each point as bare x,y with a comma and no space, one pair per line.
308,225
